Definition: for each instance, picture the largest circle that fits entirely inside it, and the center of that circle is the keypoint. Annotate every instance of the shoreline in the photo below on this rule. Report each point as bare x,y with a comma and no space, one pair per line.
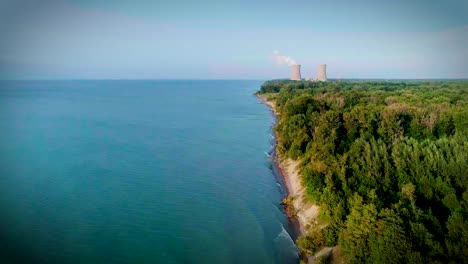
304,212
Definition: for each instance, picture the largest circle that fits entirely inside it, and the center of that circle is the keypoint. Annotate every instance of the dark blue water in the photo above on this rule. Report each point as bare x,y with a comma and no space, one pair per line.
138,172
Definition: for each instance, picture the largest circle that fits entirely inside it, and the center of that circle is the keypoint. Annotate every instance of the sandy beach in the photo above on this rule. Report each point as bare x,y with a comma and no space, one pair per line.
305,211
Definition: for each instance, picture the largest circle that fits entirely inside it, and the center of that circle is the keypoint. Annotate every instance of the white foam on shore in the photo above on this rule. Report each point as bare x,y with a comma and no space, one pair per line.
285,238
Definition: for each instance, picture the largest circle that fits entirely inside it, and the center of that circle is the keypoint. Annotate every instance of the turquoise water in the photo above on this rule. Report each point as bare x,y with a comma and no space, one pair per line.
138,172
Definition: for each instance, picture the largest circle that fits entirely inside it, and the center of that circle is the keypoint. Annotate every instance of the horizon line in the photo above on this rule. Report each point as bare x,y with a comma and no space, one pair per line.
217,79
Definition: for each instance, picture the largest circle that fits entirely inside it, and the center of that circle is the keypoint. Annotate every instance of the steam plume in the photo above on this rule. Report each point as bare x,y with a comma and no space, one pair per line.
282,59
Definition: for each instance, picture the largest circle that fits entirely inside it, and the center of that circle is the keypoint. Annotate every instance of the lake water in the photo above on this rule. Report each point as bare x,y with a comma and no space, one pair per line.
138,172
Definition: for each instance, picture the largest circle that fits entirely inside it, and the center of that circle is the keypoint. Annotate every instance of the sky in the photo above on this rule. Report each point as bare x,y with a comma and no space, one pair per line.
216,39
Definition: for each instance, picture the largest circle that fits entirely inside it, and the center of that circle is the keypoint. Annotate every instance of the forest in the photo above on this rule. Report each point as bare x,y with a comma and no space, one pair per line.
386,161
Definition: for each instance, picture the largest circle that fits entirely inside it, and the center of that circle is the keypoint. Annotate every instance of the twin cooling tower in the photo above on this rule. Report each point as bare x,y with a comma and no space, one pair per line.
296,72
321,75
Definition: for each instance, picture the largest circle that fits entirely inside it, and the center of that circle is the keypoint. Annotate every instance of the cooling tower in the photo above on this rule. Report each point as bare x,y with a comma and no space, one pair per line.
322,73
296,72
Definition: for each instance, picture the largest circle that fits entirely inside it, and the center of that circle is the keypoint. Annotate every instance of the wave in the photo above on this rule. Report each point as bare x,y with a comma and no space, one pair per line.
280,187
286,242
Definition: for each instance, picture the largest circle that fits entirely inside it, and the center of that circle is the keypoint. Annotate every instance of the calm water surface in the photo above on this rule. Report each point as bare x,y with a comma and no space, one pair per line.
138,172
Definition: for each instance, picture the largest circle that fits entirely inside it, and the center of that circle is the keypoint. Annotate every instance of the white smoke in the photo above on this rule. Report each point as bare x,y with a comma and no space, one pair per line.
282,59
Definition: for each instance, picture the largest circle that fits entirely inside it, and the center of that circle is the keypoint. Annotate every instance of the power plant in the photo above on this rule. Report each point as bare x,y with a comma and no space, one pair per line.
296,72
296,68
322,73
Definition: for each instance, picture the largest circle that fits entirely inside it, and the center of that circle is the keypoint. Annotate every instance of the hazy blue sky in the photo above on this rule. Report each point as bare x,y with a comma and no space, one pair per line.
232,39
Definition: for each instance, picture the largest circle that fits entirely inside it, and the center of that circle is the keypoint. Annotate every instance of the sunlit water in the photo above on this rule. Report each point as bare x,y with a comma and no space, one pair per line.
138,172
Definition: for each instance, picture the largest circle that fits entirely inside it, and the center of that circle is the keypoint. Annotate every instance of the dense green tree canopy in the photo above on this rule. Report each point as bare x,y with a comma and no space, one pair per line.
387,162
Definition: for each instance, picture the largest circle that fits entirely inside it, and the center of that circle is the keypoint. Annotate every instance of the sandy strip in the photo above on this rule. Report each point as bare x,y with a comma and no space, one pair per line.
306,212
